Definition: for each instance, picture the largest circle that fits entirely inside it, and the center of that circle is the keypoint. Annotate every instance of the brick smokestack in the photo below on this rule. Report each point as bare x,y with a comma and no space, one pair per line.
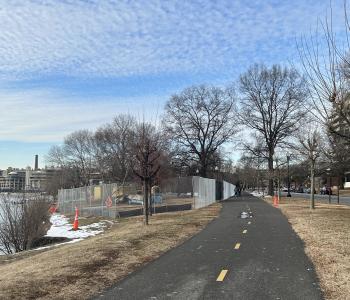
36,167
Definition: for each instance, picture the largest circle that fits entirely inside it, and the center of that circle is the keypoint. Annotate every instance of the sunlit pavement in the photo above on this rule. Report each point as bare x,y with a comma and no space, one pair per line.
232,258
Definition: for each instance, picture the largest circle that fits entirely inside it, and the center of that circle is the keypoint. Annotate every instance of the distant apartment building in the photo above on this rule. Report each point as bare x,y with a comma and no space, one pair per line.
16,180
37,180
12,180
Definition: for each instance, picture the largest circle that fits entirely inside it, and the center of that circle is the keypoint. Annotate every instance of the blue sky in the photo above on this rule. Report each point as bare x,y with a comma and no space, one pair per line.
68,65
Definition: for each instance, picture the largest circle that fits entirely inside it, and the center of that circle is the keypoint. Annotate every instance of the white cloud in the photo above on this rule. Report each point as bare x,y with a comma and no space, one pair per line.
48,115
88,39
122,38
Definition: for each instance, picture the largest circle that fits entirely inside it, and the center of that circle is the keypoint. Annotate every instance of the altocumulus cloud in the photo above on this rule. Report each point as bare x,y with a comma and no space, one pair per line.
124,38
94,40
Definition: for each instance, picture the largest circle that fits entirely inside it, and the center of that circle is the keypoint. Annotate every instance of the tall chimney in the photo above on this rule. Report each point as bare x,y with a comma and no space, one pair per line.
36,167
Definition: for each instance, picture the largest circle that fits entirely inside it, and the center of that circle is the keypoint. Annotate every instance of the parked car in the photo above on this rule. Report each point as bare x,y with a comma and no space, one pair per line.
285,189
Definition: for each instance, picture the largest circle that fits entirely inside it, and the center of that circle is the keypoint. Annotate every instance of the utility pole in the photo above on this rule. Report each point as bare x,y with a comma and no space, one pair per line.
338,189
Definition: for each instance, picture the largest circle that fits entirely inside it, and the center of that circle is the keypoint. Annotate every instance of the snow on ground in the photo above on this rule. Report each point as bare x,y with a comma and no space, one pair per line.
62,228
257,194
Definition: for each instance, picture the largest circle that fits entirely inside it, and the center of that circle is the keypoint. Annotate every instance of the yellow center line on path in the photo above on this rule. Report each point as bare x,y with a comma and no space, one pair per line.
222,275
244,231
237,246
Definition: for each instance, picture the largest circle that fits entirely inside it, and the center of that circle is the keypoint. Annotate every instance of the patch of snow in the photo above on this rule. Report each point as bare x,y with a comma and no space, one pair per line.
244,215
257,194
62,228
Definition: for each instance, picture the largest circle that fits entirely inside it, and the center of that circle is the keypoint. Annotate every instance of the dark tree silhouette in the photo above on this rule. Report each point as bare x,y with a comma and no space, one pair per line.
272,106
199,121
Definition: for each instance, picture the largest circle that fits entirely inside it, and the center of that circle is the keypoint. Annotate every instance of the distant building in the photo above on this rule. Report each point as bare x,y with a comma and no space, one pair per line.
12,181
16,180
37,180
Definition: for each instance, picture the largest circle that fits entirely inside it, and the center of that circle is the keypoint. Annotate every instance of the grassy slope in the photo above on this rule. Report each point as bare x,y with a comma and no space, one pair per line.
85,268
326,233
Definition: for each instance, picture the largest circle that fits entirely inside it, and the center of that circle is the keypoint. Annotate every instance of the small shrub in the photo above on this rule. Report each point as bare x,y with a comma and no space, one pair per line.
22,221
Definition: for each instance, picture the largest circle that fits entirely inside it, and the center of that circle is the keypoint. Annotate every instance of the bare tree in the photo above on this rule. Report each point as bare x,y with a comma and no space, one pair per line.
76,155
56,156
22,222
310,147
272,105
327,74
254,157
147,147
114,142
79,152
199,121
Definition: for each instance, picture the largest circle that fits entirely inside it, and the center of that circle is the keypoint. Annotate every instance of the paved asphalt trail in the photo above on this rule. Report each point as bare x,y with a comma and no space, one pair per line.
269,264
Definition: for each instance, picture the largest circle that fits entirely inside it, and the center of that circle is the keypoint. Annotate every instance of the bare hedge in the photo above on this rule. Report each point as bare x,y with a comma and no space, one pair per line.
22,221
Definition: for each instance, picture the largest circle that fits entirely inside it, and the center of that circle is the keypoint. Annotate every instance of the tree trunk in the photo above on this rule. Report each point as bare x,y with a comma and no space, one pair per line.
312,177
203,170
150,197
145,201
338,190
203,166
278,186
270,166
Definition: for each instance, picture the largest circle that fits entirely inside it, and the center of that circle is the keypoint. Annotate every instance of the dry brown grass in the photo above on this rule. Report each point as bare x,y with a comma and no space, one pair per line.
326,233
78,271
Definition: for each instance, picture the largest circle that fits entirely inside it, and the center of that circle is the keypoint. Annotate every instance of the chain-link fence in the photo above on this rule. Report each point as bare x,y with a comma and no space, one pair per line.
90,200
115,200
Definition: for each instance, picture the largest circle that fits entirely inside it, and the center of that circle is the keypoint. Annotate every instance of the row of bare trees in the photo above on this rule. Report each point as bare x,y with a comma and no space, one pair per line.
307,116
110,153
196,124
272,105
328,78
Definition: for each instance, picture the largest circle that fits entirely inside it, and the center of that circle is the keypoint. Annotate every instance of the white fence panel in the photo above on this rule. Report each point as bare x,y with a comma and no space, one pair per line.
229,190
203,191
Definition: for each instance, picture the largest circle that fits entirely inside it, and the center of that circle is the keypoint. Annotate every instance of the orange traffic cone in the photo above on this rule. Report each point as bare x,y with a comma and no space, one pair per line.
53,208
275,201
76,222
